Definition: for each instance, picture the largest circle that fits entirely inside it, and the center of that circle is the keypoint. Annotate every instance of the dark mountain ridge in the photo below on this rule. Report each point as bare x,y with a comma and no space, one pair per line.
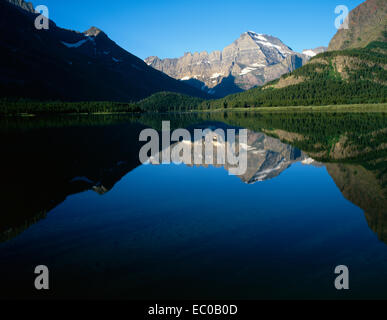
72,66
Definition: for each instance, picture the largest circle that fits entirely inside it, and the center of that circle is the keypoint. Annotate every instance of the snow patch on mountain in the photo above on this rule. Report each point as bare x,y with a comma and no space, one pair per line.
216,75
258,65
262,40
309,53
314,52
75,45
308,161
247,70
250,61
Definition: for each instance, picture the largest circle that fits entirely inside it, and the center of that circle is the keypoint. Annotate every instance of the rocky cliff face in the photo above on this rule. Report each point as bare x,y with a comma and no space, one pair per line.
367,23
250,61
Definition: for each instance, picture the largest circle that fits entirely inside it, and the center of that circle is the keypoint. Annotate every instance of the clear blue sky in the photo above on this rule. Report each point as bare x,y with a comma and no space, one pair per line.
168,28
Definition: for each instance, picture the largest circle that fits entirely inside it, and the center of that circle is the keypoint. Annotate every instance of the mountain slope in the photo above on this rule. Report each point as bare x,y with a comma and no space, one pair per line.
69,65
250,61
367,23
356,74
337,77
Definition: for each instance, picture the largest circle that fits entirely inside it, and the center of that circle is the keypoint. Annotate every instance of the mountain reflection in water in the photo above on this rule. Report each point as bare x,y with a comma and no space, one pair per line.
43,164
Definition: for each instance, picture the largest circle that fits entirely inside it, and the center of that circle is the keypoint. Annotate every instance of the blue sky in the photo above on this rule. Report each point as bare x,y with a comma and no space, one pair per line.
168,28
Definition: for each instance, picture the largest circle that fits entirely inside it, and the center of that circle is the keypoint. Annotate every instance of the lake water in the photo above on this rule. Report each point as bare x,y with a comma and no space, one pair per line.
75,197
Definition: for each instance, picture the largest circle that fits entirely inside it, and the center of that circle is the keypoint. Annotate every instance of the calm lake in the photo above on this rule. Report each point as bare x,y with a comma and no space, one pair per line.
75,197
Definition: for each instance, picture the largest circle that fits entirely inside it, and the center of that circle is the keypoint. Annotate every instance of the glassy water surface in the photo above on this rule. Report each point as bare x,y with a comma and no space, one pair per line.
75,197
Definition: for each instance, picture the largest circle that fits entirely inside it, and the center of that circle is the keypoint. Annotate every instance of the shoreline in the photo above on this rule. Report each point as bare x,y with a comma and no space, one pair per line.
377,107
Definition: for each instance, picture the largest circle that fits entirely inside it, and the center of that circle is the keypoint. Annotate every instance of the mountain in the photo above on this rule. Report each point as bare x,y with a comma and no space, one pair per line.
69,65
314,52
367,23
355,74
58,158
92,153
250,61
351,71
330,78
268,157
366,189
28,6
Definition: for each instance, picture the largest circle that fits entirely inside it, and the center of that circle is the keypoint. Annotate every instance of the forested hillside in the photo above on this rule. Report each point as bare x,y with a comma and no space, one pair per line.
337,77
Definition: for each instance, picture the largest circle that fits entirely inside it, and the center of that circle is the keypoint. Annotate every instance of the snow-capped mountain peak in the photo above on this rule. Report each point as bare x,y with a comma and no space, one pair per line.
93,32
270,42
251,60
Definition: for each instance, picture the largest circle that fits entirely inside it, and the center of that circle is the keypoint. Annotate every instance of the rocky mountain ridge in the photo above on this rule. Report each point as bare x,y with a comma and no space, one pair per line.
251,60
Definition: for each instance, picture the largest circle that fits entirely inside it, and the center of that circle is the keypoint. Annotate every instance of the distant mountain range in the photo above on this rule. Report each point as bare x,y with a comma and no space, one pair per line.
68,65
251,60
357,73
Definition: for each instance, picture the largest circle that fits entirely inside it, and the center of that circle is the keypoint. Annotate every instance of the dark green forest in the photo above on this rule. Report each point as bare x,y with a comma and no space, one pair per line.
14,107
158,102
